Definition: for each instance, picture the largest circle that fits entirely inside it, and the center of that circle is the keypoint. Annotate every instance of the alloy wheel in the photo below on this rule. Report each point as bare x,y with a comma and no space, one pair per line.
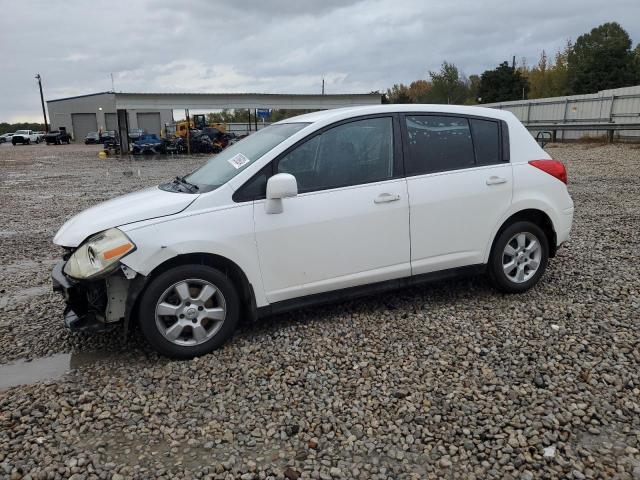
190,312
521,257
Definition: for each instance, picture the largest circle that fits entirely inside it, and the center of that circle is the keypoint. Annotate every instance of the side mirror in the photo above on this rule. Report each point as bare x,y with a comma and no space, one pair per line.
281,185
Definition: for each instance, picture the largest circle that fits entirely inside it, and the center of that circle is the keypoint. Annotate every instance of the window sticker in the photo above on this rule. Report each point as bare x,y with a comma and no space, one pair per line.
238,161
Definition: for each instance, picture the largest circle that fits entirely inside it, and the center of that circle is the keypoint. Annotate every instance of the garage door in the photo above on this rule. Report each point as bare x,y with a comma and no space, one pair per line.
149,122
83,123
111,121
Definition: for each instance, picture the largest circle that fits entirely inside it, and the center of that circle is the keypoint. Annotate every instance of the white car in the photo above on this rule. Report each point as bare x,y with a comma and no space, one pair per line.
5,137
318,207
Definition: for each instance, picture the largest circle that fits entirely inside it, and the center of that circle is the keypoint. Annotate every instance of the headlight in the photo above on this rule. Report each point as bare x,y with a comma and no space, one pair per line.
99,254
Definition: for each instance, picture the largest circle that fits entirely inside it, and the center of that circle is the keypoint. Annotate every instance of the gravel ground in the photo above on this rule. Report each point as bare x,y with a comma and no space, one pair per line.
451,380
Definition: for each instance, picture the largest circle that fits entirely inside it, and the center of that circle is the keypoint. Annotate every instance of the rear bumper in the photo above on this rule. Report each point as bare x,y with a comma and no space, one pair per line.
564,226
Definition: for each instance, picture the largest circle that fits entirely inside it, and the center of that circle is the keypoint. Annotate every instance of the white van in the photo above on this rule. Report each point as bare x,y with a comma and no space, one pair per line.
319,207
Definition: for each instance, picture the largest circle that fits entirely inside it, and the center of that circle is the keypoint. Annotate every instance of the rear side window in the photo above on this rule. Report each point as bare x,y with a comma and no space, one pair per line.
438,143
486,140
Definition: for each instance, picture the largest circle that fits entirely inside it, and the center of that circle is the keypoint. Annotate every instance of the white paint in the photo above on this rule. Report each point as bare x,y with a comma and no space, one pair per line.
342,237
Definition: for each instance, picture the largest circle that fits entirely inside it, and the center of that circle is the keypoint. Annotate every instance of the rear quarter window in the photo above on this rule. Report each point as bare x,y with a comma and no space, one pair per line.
486,141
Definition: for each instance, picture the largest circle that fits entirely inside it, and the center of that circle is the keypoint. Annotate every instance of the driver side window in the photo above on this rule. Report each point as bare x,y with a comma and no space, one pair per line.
349,154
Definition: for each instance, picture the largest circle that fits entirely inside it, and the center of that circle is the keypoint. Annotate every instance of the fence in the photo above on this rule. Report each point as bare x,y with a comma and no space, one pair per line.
616,110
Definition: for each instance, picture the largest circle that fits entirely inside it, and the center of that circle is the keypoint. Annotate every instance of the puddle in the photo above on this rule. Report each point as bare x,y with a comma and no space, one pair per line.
28,372
24,295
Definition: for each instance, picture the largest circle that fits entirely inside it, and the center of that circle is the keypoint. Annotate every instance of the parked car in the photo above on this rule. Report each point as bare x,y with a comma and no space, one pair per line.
322,206
108,136
135,134
25,137
58,137
92,138
40,135
5,137
148,144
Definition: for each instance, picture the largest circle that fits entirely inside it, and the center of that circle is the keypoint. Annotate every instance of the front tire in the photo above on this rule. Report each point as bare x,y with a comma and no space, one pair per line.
188,311
519,257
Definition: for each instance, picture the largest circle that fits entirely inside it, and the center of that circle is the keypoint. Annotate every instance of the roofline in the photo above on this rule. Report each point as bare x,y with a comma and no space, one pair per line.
221,94
247,94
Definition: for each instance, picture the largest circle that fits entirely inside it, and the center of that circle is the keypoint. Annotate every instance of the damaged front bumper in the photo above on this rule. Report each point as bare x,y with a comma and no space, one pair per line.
97,305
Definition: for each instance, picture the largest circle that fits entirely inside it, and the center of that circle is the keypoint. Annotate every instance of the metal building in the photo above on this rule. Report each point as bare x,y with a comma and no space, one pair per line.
97,111
123,111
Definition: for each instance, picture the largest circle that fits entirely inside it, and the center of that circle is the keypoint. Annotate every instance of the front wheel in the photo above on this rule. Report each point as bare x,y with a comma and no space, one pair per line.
519,257
189,311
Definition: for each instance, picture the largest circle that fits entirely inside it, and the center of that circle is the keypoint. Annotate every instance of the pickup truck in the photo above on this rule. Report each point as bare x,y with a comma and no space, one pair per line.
58,137
25,137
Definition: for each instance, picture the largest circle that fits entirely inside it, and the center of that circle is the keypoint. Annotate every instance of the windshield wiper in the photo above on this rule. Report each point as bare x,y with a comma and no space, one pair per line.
192,188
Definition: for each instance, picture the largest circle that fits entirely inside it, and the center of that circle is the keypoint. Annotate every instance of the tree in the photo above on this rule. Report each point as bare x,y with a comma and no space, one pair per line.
602,59
550,78
419,91
502,84
12,127
399,93
447,86
473,86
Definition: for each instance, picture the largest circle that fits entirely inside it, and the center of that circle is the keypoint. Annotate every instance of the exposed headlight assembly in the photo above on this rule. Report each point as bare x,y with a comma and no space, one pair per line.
98,255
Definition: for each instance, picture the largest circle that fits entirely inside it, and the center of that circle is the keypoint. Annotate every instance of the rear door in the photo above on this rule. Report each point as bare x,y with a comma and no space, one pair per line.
349,223
460,184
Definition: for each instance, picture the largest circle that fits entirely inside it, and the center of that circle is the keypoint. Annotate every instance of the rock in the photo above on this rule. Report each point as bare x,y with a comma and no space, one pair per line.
291,474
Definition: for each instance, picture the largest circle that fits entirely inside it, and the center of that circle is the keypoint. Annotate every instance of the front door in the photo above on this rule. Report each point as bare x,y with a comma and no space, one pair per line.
349,224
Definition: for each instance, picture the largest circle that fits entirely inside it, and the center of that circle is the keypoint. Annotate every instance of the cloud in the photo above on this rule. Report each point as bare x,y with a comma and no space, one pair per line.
274,46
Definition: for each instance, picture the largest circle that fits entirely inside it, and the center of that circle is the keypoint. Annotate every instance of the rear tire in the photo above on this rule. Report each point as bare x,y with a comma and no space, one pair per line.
519,257
188,311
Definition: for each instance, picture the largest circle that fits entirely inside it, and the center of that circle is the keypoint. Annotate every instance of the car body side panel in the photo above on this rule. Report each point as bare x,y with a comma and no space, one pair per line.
225,231
452,214
537,190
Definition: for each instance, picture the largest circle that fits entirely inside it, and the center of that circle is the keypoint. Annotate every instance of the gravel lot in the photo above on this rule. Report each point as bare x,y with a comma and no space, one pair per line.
451,380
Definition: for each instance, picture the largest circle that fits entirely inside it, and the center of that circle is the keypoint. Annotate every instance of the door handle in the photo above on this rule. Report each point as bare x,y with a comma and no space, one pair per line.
386,197
493,180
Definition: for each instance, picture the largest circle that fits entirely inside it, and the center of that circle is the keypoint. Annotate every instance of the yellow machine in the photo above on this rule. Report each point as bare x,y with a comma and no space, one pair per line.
197,122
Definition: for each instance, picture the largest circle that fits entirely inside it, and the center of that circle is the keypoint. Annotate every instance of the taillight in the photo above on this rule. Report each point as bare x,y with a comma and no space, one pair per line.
552,167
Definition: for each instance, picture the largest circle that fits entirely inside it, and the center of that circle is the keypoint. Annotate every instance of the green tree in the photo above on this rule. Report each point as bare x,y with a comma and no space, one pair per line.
602,59
473,86
447,86
12,127
502,84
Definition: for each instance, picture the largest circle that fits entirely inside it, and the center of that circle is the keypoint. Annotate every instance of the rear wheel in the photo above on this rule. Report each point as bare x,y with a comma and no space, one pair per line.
189,311
519,257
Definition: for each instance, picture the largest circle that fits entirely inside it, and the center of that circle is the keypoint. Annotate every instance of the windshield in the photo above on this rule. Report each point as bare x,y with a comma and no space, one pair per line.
231,161
22,132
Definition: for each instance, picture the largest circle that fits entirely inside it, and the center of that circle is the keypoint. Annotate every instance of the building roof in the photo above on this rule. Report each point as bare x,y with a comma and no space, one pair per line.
77,96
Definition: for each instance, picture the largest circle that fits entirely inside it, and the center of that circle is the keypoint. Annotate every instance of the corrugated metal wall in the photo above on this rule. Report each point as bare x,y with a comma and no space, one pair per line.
620,105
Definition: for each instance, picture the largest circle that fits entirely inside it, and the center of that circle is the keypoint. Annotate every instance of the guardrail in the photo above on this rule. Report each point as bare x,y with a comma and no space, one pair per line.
553,128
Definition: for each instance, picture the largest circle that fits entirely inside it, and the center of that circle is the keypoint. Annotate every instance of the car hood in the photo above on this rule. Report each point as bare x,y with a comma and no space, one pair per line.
133,207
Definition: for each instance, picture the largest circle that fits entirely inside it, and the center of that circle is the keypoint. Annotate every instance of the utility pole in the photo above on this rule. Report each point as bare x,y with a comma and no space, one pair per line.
113,89
44,111
322,85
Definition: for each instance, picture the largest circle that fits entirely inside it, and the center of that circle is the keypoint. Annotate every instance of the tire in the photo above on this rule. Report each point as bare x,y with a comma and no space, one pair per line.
518,268
28,142
173,292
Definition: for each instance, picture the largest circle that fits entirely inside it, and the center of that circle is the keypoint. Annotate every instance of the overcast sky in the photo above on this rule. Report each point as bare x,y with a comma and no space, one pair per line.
274,46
